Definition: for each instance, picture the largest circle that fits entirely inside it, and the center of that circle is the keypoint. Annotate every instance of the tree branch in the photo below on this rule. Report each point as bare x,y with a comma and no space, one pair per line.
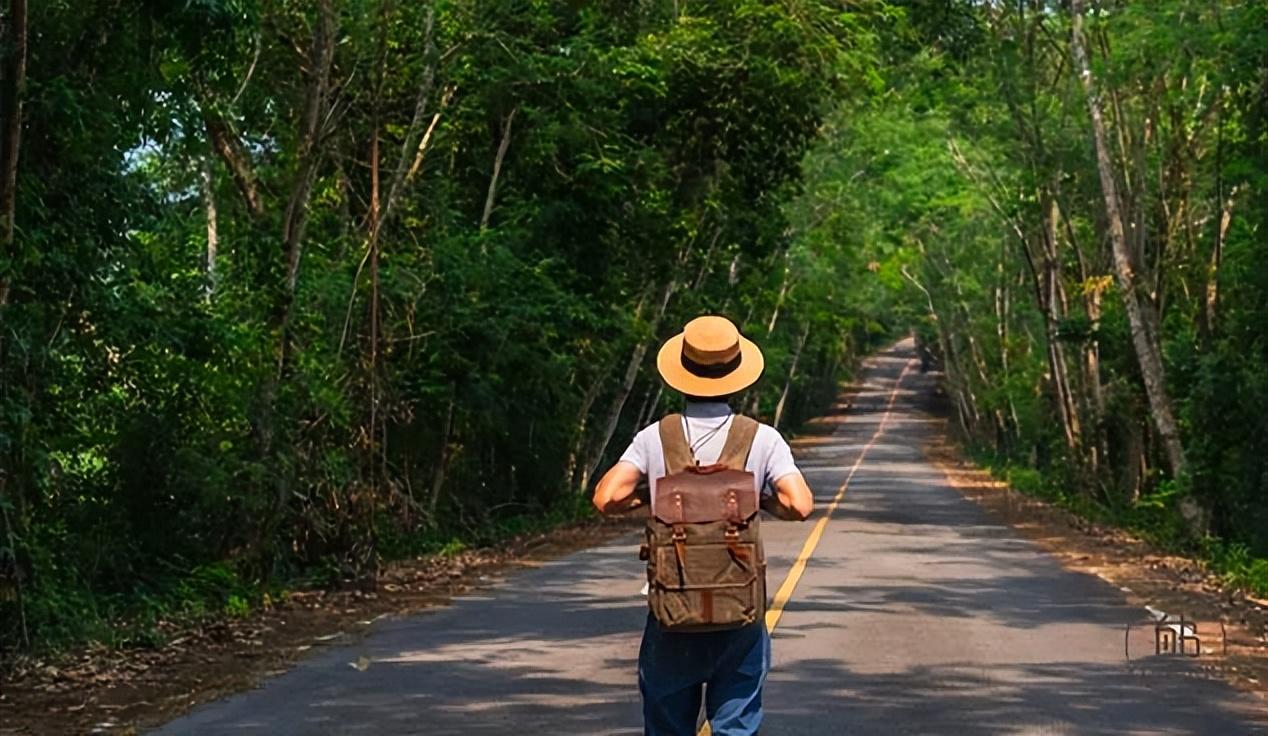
420,109
431,128
229,148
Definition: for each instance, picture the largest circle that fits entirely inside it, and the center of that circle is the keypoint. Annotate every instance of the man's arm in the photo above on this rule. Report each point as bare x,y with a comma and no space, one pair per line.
792,499
615,491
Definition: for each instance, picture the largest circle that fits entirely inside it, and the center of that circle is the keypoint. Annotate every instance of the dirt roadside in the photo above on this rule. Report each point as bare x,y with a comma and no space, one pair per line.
103,691
1148,577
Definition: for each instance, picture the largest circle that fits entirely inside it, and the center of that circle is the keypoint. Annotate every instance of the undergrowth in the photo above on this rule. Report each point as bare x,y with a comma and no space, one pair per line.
141,616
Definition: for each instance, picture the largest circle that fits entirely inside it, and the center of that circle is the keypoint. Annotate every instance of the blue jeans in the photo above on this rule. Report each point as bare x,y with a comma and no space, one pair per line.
674,668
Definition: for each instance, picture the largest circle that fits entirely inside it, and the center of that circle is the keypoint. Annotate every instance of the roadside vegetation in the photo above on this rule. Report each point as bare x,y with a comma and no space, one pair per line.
1074,197
291,287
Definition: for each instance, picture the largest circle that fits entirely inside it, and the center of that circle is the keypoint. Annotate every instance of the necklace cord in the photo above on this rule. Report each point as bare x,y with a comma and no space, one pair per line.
693,446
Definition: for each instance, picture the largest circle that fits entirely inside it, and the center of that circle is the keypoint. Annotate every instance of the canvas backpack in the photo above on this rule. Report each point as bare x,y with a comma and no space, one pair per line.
706,569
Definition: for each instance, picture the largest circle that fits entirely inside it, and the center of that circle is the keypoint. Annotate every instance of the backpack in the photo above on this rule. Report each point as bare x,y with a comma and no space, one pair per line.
706,568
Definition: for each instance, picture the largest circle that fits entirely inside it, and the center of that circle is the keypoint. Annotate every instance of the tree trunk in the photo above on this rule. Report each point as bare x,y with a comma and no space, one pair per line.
17,574
403,174
779,300
627,384
497,169
320,58
645,404
320,62
1144,340
1211,300
646,417
707,261
1002,315
12,90
1211,293
213,236
1043,267
1092,380
979,363
1090,364
372,428
966,401
426,139
792,373
583,416
1054,308
965,407
404,171
442,463
753,398
975,354
11,145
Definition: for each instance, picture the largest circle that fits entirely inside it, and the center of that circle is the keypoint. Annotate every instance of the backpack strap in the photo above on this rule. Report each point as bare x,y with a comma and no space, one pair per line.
739,441
673,443
678,455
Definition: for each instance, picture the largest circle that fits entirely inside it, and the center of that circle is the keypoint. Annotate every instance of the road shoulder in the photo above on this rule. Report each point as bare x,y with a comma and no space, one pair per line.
1145,575
122,691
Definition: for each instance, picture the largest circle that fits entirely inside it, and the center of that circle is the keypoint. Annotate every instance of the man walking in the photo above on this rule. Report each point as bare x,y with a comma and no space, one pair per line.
708,470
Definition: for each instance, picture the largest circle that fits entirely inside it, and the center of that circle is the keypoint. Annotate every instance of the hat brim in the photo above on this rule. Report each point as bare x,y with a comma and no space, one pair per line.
674,373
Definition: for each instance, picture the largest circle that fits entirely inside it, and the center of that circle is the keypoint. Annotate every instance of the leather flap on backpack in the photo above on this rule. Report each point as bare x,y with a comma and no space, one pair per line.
700,495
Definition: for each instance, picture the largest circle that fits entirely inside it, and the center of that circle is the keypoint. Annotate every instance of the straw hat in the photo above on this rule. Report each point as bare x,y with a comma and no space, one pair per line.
709,358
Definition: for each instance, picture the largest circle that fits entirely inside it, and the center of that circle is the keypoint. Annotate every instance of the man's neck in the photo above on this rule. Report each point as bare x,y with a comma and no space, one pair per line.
707,409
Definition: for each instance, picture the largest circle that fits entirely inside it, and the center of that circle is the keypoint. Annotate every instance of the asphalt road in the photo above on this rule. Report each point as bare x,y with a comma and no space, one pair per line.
916,614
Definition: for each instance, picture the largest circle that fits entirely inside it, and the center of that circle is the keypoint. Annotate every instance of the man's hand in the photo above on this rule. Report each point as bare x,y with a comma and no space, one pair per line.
792,500
615,492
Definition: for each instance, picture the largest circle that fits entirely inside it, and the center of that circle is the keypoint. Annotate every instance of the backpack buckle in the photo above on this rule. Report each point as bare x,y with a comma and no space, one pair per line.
680,550
732,537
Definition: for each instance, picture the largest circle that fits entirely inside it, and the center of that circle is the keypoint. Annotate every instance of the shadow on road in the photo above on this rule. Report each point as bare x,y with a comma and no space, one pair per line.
917,615
971,700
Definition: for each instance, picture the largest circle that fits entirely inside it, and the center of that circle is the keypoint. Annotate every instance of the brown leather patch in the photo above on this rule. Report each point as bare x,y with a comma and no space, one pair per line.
692,497
706,606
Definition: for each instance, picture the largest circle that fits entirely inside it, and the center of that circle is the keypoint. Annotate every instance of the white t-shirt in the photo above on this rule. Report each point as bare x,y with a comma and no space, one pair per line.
769,459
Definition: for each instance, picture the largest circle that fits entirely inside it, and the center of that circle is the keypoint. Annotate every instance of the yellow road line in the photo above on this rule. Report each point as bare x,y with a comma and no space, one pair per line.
784,594
794,575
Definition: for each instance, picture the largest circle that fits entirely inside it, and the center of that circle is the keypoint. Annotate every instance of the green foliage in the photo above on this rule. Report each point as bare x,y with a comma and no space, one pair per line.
184,431
1237,568
968,196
